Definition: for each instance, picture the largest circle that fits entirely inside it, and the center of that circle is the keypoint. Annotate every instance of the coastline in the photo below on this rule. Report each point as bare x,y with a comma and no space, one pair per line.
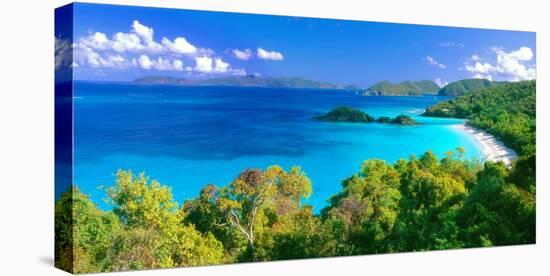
492,149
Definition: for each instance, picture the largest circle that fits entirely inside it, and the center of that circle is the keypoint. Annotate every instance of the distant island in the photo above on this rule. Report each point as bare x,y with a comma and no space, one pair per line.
461,87
405,88
381,88
350,115
248,80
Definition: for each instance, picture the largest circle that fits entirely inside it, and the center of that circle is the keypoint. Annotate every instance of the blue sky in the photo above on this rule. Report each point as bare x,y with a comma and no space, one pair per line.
121,43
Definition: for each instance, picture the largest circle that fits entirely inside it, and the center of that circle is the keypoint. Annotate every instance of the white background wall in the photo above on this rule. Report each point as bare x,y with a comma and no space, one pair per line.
26,135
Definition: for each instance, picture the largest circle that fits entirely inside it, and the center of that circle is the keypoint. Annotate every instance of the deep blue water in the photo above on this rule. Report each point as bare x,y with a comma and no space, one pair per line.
187,137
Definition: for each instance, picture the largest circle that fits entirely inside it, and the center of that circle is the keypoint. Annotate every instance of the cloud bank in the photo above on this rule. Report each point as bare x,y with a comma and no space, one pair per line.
507,66
138,49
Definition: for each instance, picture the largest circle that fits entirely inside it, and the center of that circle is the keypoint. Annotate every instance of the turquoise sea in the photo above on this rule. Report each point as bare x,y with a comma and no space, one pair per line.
187,137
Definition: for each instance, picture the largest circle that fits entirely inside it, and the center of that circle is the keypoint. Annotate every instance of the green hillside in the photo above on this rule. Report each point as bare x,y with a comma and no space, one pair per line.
405,88
462,87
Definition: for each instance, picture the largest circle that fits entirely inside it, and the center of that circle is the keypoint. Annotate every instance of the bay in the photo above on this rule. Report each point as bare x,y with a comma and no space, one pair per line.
187,137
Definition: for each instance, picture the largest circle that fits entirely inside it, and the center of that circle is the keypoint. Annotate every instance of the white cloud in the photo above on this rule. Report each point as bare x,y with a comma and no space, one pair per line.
475,58
203,64
272,55
510,66
87,56
97,50
180,45
123,42
161,64
430,60
144,62
221,66
143,31
522,54
96,40
165,65
482,68
138,40
146,34
440,82
110,61
178,65
245,54
137,48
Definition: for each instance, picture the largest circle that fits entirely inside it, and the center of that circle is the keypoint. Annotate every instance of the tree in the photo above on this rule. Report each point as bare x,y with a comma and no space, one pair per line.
497,212
252,203
155,236
84,232
367,207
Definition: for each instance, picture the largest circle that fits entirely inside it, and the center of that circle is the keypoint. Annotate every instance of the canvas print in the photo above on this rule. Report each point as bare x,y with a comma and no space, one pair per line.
192,138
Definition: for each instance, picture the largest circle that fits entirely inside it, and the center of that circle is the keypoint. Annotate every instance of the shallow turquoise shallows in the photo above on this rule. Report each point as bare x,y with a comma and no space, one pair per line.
187,137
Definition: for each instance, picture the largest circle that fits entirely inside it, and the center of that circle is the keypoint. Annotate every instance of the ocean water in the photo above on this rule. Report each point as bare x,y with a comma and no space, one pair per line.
187,137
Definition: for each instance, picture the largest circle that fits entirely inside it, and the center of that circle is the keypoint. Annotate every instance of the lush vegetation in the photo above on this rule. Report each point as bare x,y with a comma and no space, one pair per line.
346,114
506,111
461,87
350,115
406,88
399,120
417,204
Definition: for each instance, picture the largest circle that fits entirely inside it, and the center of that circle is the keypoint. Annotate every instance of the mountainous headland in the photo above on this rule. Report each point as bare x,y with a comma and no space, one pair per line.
462,87
405,88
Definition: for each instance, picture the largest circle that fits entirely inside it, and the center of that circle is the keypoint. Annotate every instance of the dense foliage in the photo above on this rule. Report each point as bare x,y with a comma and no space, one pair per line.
406,88
346,114
350,115
506,111
144,230
461,87
412,205
399,120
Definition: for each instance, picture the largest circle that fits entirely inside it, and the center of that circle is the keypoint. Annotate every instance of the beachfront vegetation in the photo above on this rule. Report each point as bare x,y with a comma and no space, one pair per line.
506,111
416,204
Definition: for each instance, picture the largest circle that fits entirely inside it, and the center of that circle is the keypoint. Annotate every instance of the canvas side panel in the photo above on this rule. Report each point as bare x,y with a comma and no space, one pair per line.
64,138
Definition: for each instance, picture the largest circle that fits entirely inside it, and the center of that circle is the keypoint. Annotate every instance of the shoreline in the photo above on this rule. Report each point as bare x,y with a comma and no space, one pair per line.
491,148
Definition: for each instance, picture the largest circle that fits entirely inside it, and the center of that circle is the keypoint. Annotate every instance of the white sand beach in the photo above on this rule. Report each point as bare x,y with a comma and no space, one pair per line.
492,149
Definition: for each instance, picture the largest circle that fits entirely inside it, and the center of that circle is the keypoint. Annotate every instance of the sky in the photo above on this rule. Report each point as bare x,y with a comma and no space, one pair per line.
122,43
